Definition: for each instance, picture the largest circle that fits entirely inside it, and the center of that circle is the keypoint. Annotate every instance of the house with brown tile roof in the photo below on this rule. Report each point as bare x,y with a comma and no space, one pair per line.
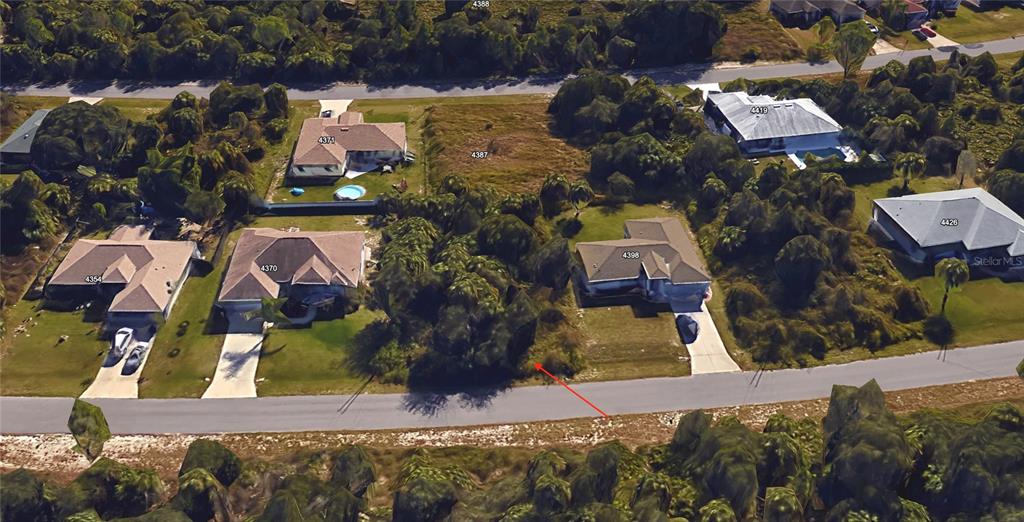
312,269
332,147
140,276
656,260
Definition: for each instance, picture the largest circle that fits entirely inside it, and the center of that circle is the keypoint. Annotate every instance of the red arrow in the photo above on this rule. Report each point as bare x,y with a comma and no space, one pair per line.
539,367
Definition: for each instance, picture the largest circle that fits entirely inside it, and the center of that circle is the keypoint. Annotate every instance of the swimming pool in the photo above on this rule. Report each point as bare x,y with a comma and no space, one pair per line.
823,153
349,192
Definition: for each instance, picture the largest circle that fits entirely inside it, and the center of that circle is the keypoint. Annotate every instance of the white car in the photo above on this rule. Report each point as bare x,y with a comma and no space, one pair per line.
123,339
872,28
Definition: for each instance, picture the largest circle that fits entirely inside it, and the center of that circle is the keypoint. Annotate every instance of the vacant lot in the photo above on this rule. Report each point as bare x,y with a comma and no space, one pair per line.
752,27
970,26
136,109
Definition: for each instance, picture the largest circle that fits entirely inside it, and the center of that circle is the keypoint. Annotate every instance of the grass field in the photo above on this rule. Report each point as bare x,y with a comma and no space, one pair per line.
35,362
969,26
512,129
752,26
520,150
184,352
312,361
136,109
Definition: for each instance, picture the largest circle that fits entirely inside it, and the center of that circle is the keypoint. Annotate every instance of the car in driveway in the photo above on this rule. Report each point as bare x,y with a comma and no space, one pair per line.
688,328
872,27
919,34
928,31
123,339
131,365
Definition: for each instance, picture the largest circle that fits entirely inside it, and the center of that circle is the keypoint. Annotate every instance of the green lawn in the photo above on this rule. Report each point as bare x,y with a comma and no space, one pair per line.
375,183
316,223
606,222
179,364
34,362
622,342
970,26
314,361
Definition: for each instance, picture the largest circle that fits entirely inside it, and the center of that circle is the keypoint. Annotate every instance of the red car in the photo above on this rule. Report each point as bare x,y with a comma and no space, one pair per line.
927,31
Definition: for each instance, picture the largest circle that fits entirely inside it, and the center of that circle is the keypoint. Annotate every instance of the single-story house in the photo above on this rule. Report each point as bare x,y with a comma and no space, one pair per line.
764,125
141,276
969,224
656,260
328,148
311,269
805,13
15,152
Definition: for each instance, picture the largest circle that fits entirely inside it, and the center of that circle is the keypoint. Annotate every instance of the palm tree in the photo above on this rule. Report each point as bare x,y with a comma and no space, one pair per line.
580,195
270,311
953,272
909,165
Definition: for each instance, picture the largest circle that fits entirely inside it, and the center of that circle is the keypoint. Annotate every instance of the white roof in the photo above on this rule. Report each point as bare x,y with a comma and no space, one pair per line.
780,119
981,220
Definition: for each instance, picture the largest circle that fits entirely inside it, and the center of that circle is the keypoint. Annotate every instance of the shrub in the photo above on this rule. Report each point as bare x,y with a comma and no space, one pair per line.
1020,369
213,457
89,427
990,113
24,498
353,470
275,129
750,54
807,340
743,299
910,305
939,330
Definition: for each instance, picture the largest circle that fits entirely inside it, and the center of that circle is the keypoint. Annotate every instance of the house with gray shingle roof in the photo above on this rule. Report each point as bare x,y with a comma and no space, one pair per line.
763,125
969,224
141,277
656,260
311,269
329,148
15,152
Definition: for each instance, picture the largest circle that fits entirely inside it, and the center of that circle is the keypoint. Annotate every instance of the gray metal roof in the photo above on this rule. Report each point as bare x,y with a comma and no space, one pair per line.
971,216
780,119
21,141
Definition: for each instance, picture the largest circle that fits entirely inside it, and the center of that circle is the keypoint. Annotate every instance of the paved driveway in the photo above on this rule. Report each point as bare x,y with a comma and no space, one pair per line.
110,383
236,370
708,353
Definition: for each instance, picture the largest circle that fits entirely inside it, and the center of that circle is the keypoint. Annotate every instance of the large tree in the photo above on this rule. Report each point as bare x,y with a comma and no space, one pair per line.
851,46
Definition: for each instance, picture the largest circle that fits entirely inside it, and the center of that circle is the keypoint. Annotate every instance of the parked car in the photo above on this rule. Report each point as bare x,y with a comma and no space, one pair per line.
119,345
131,365
919,34
872,27
327,114
928,31
688,328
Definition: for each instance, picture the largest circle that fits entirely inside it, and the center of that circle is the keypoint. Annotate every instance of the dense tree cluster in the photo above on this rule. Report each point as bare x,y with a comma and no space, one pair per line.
191,159
457,269
321,40
860,463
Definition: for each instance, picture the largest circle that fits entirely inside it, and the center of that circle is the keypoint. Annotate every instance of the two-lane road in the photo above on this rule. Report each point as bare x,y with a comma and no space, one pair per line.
520,404
687,73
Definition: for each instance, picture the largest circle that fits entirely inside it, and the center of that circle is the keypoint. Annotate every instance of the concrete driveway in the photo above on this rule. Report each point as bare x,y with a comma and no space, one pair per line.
707,352
236,369
335,106
109,382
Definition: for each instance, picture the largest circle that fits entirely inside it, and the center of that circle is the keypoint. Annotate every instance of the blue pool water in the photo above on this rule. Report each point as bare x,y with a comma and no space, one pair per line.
823,153
350,192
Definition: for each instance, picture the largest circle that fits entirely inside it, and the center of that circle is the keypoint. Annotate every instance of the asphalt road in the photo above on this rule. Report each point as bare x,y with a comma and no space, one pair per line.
688,73
521,404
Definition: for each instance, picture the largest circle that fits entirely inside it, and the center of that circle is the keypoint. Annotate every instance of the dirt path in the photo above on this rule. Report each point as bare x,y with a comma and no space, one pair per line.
54,457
